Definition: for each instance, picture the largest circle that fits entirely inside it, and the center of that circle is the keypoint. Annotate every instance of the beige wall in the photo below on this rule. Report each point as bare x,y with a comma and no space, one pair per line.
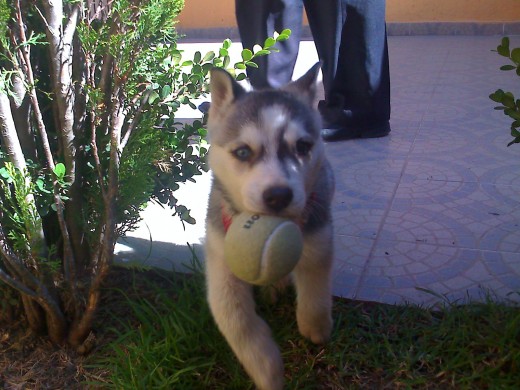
220,13
453,10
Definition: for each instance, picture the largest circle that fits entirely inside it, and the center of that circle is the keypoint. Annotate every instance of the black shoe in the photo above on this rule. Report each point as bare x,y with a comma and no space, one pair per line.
341,124
343,133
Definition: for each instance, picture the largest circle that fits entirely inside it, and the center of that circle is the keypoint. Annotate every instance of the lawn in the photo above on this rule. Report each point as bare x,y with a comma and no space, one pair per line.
155,332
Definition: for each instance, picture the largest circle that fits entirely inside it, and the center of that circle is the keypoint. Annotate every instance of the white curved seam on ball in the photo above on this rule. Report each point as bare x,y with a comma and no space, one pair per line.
267,245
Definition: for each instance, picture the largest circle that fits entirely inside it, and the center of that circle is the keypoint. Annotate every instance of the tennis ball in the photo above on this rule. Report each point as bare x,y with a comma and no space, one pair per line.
262,249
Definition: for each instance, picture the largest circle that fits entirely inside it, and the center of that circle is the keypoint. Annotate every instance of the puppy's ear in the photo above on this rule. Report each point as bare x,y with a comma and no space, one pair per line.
305,87
224,90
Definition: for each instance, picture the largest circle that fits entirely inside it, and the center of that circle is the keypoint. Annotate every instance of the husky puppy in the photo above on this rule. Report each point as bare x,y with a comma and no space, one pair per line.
267,157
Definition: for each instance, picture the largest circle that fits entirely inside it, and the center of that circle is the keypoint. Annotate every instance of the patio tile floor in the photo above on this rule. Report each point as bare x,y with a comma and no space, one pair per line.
433,206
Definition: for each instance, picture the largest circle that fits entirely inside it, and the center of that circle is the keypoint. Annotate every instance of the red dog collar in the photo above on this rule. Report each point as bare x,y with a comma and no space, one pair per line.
227,219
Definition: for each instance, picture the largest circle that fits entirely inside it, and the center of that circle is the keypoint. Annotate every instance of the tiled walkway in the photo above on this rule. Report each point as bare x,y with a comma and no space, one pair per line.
435,205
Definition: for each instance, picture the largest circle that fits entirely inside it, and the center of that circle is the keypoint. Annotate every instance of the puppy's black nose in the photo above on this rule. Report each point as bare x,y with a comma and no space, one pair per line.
278,198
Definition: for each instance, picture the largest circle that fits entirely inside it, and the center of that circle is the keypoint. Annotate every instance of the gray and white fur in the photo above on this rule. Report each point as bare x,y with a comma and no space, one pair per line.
267,157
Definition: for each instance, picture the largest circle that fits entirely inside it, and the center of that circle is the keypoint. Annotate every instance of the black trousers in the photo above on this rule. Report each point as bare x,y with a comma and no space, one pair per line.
350,38
259,19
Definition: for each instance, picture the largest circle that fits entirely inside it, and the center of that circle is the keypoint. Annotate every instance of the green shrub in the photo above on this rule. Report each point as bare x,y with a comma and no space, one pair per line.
509,104
88,136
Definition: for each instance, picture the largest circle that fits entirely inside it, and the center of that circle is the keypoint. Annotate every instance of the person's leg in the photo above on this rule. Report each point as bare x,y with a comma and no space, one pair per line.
326,18
258,20
357,103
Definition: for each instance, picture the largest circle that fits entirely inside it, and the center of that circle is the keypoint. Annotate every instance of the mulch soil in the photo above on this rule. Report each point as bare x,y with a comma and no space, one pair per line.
28,361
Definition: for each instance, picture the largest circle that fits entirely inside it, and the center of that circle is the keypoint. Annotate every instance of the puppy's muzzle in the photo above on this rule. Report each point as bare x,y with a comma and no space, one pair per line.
277,198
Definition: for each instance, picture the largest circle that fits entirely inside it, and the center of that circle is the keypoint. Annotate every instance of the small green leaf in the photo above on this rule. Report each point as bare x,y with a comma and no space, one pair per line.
507,67
508,100
508,111
241,76
247,54
514,114
496,97
153,97
197,69
269,42
252,64
226,44
282,37
503,49
286,31
207,67
261,53
59,170
41,186
5,173
190,220
197,57
176,57
209,56
187,63
515,55
166,90
227,60
240,65
223,52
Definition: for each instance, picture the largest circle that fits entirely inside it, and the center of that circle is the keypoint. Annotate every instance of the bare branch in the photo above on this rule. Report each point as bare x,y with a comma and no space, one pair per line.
70,28
60,44
39,291
135,120
69,262
16,264
95,153
24,54
108,236
9,137
20,108
98,10
17,285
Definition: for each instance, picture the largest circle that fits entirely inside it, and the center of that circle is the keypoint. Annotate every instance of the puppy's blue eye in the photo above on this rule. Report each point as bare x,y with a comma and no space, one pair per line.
243,153
303,147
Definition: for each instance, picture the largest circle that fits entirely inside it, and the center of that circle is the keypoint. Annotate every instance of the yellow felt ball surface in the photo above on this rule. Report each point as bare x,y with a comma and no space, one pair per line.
262,249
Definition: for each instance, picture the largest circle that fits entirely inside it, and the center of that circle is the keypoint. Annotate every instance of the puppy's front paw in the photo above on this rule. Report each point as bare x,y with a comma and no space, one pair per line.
272,379
317,329
264,365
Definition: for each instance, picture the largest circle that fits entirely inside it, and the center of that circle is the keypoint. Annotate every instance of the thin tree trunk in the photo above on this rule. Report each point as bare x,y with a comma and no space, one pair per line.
69,263
60,40
10,142
21,109
81,330
35,295
33,314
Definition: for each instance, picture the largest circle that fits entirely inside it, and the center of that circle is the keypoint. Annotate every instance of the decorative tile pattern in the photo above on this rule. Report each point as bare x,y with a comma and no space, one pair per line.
401,272
443,213
429,213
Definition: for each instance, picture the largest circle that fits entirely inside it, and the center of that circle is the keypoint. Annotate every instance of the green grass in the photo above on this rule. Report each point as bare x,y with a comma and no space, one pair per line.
170,342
